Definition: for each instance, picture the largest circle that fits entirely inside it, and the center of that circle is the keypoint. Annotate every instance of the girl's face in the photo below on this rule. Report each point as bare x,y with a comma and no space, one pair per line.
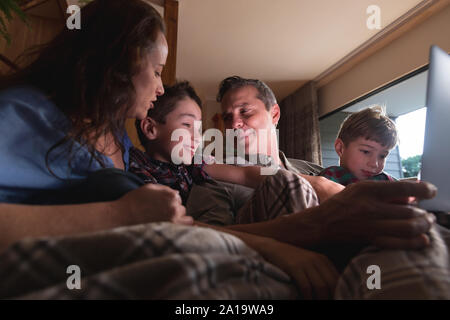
180,150
148,82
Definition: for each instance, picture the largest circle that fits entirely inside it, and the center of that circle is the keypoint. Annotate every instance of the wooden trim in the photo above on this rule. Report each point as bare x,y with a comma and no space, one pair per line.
32,4
62,4
61,9
157,2
406,22
8,62
171,20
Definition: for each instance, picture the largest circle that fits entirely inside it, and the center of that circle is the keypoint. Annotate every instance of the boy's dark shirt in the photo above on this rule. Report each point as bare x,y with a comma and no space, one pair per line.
179,177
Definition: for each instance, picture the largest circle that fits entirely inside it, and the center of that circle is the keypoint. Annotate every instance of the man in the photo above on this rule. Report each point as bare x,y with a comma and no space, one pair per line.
250,107
364,213
361,214
352,216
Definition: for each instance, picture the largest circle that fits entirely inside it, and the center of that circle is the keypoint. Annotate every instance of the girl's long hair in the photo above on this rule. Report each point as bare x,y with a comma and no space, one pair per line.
88,73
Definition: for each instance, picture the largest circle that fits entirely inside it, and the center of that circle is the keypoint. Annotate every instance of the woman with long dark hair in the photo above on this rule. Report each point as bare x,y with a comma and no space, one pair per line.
62,119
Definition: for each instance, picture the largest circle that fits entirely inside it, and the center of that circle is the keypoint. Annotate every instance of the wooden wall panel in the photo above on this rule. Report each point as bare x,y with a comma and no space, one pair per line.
40,31
171,20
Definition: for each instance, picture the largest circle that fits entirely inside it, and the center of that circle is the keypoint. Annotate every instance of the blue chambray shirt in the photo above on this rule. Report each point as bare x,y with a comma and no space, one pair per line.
30,124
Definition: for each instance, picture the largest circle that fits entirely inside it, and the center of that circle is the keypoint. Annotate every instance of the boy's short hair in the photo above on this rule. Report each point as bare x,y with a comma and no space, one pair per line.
370,123
166,103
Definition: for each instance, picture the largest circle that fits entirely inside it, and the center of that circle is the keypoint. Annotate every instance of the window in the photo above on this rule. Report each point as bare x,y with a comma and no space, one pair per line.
404,102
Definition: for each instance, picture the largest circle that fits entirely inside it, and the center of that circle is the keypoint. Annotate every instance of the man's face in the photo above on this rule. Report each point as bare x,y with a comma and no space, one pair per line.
364,158
242,110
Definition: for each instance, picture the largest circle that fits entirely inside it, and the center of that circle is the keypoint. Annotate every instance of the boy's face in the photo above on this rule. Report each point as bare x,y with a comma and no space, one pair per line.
363,158
183,116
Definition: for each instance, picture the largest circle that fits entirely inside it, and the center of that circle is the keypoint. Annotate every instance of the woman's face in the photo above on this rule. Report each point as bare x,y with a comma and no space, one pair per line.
148,82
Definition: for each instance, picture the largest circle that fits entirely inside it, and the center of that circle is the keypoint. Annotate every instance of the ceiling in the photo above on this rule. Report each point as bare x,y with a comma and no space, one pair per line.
283,43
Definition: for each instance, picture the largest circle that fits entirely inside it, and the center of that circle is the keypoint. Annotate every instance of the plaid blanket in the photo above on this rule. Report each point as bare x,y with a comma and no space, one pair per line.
150,261
404,274
167,261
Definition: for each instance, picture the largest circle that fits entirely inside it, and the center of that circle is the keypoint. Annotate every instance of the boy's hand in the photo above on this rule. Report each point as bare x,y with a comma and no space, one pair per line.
153,203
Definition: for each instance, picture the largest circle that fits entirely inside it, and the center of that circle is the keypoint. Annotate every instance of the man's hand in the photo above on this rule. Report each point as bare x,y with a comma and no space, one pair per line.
366,212
153,203
324,187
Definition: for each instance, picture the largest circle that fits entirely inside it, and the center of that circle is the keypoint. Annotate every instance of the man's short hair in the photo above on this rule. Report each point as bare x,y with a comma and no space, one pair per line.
371,124
166,103
265,94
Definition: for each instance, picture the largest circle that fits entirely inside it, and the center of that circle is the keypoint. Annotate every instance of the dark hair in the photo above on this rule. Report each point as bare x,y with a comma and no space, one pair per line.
88,73
265,94
167,103
371,124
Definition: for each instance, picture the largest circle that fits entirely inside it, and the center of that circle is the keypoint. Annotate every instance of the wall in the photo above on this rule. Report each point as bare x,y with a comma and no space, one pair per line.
40,30
400,57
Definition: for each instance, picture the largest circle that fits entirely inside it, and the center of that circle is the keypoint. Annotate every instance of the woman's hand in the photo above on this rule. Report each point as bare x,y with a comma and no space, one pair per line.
313,273
152,203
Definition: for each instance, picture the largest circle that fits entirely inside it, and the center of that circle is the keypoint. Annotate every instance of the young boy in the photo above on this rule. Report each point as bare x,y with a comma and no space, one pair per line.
281,193
178,108
363,143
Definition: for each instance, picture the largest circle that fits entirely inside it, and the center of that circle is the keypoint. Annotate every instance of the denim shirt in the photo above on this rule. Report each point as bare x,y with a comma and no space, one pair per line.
30,124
